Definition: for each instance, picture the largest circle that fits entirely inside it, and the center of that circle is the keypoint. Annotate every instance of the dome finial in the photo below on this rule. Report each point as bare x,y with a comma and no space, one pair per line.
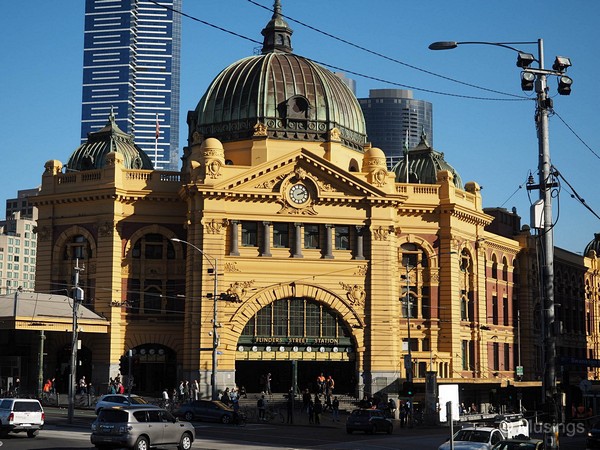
277,34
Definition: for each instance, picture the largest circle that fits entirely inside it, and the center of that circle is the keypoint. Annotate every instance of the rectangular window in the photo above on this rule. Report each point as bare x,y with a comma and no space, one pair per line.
296,318
342,237
465,355
505,311
506,357
311,236
495,310
329,325
263,322
281,235
249,234
313,318
280,318
496,362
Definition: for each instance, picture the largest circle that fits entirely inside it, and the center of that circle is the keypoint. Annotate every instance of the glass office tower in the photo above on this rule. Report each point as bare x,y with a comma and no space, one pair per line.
131,65
392,117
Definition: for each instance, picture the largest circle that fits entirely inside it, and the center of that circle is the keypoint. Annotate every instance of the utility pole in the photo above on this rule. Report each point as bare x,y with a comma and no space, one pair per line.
77,299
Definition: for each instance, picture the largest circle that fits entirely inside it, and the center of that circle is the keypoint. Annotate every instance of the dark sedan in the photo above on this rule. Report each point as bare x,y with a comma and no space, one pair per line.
593,437
369,421
206,410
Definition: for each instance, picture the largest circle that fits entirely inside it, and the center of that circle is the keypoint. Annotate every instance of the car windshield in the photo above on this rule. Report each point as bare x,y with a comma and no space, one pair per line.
472,436
138,401
27,406
113,416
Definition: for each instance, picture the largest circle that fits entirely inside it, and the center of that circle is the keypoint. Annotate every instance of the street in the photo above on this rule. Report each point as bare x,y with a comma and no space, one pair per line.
58,434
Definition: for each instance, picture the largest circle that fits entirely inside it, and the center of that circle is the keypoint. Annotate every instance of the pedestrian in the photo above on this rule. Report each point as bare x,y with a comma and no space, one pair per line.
91,390
318,411
290,406
261,404
311,411
243,393
305,400
268,383
335,409
321,383
392,407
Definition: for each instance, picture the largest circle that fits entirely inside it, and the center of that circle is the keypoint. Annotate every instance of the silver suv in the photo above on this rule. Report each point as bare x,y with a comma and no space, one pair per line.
140,428
21,414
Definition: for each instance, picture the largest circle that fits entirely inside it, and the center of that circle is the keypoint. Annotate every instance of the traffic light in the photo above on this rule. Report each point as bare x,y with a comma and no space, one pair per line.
123,365
408,388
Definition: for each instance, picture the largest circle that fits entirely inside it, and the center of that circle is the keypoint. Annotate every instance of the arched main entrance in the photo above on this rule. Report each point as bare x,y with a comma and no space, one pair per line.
296,339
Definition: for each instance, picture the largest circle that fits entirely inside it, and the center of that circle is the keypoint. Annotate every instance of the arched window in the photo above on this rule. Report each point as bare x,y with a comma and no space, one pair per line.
78,247
504,269
153,246
296,320
494,267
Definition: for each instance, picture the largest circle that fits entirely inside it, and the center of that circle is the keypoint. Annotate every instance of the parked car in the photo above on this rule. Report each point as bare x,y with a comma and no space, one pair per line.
593,437
519,444
140,428
120,400
206,410
21,414
369,421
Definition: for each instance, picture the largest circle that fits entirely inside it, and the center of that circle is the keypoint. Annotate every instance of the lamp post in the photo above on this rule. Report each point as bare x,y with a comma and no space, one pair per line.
530,78
215,337
408,364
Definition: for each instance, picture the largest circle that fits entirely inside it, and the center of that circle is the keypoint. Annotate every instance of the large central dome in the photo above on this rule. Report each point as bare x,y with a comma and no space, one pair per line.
293,97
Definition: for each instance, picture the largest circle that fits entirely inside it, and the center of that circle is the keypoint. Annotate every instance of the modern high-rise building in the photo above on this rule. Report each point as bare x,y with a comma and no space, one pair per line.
394,117
18,243
131,65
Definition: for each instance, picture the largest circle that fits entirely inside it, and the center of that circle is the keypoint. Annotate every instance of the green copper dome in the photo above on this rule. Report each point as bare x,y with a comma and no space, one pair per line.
91,154
423,165
293,97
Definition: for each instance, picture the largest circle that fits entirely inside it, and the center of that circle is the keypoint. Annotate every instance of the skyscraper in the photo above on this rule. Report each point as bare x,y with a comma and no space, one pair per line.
392,113
131,65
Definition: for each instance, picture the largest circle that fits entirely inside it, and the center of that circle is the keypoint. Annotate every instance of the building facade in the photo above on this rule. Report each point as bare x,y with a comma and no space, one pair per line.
284,245
395,121
132,52
18,242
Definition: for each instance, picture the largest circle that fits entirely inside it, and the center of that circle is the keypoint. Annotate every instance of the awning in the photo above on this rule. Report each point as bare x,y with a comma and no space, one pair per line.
47,312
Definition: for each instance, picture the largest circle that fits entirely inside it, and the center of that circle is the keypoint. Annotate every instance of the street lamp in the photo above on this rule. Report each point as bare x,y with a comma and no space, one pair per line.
215,337
536,78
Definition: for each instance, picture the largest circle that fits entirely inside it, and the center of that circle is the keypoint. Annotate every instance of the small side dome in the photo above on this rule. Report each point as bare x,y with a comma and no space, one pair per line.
423,165
374,152
92,154
593,245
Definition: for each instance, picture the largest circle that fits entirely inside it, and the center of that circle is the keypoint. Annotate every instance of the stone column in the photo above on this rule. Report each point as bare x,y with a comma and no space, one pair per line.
235,250
298,241
266,251
328,241
359,243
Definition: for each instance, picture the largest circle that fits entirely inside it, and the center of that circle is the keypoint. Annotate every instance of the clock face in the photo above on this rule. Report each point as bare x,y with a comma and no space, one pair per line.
298,194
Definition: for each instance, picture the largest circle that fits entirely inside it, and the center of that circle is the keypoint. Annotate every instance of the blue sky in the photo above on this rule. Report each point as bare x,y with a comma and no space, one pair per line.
491,142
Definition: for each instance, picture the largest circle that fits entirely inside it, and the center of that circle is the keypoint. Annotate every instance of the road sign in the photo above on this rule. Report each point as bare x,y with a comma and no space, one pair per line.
519,371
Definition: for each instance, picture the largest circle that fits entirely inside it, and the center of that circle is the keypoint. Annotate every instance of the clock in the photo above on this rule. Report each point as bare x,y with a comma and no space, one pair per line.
298,194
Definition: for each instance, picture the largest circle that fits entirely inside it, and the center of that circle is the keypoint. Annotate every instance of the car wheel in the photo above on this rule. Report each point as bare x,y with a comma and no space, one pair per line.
186,442
32,433
390,429
188,415
142,443
226,419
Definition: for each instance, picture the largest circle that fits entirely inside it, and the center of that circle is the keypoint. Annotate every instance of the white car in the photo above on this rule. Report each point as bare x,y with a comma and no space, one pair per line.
21,414
109,400
474,438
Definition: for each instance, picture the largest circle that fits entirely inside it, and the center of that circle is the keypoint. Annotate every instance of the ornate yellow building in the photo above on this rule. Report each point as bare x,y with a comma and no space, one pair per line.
322,260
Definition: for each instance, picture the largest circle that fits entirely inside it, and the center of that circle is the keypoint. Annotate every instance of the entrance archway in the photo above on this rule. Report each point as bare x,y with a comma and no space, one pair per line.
296,339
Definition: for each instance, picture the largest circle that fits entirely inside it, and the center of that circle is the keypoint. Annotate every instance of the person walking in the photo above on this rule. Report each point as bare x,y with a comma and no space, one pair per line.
261,404
290,407
318,411
311,411
335,409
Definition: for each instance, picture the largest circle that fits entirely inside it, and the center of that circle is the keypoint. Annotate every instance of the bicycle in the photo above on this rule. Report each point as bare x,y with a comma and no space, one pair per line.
273,415
239,419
